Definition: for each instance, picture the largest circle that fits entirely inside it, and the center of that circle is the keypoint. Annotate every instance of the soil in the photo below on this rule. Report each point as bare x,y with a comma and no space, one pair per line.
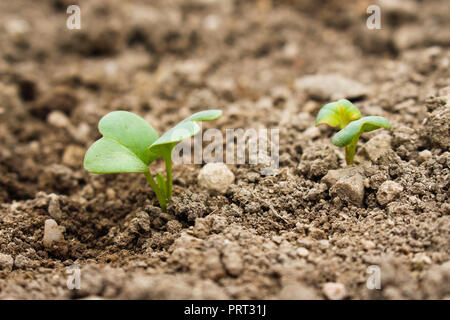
267,237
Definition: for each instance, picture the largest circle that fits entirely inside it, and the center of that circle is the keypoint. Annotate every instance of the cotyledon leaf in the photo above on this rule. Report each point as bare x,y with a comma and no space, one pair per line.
107,155
356,128
338,113
124,146
130,130
183,130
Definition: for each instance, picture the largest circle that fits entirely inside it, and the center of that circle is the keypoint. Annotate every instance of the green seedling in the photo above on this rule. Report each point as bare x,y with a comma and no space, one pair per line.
346,116
130,144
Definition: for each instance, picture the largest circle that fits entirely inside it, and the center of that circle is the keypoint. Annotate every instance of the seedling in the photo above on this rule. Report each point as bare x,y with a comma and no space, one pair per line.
130,144
346,116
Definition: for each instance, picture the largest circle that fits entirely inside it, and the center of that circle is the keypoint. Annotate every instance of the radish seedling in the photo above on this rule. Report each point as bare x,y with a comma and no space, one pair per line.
347,117
130,144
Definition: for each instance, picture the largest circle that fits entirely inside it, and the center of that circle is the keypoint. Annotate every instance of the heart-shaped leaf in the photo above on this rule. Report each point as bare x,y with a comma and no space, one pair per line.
354,129
338,113
124,146
183,130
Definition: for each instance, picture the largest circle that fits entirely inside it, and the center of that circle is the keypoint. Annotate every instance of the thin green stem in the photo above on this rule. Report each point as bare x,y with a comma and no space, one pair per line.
161,199
350,150
168,161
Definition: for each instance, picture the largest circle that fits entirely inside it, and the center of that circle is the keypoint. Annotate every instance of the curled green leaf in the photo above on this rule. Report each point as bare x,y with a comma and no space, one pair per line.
338,114
183,130
356,128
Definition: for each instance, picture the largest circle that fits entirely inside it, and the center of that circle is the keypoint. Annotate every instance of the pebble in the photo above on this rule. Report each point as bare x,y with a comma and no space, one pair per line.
302,252
349,189
53,207
334,291
368,245
330,86
425,155
6,262
52,233
58,119
388,191
421,259
215,177
311,133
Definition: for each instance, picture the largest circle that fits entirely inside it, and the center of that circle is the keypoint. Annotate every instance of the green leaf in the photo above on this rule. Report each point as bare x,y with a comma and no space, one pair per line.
130,130
183,130
109,156
206,115
126,139
338,114
356,128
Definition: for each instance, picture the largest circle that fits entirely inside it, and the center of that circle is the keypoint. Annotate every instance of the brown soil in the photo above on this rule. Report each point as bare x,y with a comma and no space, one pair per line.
167,59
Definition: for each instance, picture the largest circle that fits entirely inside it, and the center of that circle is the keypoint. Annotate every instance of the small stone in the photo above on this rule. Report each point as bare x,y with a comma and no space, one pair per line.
376,146
53,207
324,244
6,262
425,155
368,245
311,133
349,189
73,156
388,191
330,86
52,233
215,177
302,252
58,119
333,176
421,259
334,291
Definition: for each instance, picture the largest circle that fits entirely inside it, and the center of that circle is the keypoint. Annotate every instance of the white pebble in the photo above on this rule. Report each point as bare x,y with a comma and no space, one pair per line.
334,291
215,177
52,233
368,245
302,252
425,155
58,119
421,259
